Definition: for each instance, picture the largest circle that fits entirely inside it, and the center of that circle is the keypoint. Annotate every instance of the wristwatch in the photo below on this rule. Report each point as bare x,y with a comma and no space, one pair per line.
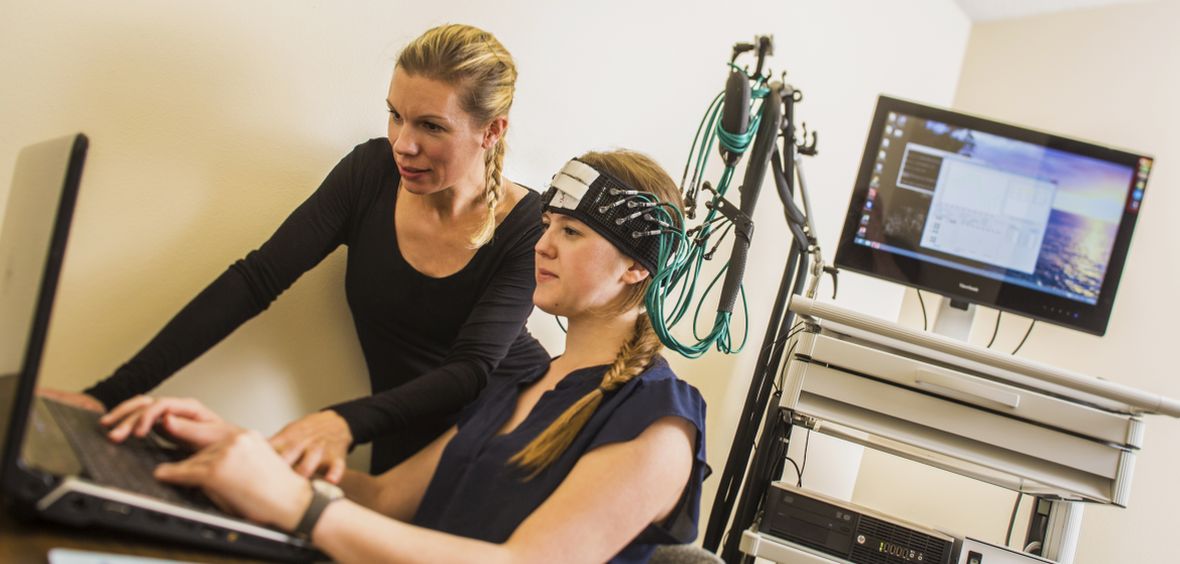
322,494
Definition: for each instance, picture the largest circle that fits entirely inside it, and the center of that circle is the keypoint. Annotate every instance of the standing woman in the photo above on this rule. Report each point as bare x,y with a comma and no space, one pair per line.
440,264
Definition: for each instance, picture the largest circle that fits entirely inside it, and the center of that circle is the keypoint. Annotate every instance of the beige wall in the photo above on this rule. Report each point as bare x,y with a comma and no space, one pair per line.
1109,75
211,120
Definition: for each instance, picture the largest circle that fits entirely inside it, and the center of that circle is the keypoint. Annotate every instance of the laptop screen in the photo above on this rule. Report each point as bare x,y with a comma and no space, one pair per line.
37,217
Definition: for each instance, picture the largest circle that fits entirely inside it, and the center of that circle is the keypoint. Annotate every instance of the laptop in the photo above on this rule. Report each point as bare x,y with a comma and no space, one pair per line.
56,461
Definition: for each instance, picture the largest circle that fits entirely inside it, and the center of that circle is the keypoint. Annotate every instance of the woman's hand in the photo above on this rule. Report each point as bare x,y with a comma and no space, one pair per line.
184,419
244,476
314,442
76,399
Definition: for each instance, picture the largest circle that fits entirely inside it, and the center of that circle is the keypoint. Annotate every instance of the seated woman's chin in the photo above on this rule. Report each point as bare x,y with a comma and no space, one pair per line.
552,309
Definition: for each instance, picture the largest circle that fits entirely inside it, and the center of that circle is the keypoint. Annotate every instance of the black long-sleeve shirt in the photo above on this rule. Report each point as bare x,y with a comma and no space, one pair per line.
429,343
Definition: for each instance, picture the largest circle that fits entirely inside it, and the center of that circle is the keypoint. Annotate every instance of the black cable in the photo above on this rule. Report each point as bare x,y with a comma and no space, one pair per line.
1026,334
798,471
794,330
777,387
710,252
995,331
1012,520
923,304
803,465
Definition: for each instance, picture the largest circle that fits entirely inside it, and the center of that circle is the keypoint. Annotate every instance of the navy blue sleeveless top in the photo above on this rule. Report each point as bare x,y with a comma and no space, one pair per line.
476,493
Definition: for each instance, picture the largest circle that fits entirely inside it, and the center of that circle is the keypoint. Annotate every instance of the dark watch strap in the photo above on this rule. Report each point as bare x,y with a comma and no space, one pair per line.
319,502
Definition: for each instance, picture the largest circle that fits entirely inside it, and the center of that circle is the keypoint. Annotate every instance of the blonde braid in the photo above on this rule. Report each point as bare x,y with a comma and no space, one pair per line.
635,356
493,193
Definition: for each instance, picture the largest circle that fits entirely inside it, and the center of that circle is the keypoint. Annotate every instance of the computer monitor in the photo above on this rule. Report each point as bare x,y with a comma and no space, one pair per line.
994,214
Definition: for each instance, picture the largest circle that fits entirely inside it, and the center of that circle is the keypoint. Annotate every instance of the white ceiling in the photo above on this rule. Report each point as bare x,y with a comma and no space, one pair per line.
991,10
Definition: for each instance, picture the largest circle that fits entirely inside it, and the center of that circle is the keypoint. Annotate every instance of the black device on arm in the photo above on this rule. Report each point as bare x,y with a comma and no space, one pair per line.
776,121
768,131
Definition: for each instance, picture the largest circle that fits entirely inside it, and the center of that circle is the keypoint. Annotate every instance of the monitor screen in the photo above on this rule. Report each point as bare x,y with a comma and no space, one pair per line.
994,214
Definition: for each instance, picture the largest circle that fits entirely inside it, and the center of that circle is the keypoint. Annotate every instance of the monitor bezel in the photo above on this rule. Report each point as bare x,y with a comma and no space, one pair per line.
973,288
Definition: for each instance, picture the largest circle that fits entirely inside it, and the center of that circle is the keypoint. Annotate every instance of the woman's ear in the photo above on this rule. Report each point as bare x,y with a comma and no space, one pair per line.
635,273
494,131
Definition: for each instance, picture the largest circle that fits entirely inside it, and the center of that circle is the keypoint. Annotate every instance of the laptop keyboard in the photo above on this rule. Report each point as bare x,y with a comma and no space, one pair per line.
127,466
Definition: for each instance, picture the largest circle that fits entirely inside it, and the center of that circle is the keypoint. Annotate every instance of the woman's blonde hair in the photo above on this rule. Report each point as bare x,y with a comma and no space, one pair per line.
473,61
641,173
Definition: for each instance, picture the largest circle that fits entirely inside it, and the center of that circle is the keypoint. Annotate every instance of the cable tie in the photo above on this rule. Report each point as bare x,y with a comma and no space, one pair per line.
627,218
662,223
638,234
604,209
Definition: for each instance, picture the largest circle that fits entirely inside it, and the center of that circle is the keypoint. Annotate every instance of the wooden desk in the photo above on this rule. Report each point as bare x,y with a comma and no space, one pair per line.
29,542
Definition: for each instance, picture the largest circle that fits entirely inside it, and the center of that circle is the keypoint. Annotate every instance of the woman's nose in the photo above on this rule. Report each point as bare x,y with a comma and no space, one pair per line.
403,141
544,246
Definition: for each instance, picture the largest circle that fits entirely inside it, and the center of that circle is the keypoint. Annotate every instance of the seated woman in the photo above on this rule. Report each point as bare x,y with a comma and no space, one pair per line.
597,456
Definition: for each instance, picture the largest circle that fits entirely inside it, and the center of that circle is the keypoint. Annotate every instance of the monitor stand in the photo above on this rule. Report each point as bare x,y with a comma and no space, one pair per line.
954,319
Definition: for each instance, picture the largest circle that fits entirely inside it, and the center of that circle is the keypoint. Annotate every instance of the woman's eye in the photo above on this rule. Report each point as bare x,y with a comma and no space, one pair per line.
396,117
432,127
570,231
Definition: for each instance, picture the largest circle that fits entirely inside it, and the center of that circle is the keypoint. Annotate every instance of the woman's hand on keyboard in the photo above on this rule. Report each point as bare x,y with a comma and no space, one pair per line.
316,442
185,419
244,476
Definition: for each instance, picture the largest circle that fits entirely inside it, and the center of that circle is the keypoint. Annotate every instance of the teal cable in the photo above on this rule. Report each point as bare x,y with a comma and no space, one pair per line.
682,251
